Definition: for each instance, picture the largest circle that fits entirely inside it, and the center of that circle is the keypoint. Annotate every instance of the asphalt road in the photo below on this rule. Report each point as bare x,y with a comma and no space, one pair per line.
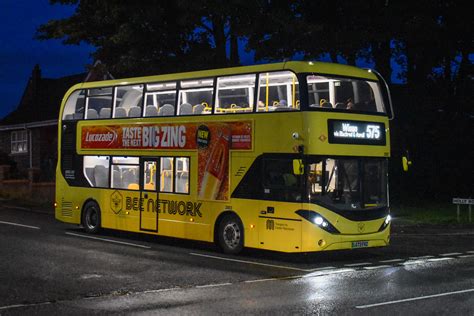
52,268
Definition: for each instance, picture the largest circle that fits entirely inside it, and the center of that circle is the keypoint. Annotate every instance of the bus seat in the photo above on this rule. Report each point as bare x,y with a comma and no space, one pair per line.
92,114
283,108
166,180
166,110
182,181
133,186
117,179
198,108
120,112
128,177
151,110
327,105
89,173
135,111
104,113
340,105
78,116
185,109
68,117
131,99
283,103
101,176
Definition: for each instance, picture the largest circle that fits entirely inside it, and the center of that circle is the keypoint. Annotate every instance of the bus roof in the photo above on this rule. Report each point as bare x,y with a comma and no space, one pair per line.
295,66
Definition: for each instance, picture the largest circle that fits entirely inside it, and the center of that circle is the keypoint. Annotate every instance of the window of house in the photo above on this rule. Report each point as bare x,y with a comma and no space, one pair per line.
96,170
128,102
74,108
98,103
235,94
160,99
125,173
278,91
196,97
19,142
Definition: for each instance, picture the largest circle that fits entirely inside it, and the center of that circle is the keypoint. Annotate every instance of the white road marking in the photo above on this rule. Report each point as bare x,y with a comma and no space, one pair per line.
251,262
422,257
406,263
378,267
20,225
440,259
391,260
109,240
466,256
23,305
470,251
212,285
415,298
450,254
328,272
358,264
260,280
159,290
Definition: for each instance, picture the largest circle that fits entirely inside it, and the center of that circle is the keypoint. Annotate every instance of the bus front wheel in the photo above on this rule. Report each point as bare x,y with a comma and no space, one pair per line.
231,234
91,218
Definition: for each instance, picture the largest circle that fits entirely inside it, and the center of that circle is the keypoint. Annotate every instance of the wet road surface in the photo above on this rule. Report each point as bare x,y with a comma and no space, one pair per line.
49,267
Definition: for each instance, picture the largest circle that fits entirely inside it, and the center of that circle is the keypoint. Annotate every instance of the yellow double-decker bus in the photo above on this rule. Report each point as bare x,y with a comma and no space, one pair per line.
288,157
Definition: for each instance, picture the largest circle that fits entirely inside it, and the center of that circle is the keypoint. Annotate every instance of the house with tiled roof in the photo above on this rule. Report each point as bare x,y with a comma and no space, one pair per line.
28,135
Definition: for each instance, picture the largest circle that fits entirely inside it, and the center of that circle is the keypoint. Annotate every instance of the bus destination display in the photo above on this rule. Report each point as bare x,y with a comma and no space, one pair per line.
356,132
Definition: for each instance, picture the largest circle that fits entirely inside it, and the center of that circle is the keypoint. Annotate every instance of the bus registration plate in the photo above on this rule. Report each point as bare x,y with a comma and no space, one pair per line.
360,244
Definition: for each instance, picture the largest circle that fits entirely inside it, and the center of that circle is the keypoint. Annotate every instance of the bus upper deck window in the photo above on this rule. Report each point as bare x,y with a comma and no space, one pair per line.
74,108
196,96
344,94
278,91
99,103
235,94
157,96
128,101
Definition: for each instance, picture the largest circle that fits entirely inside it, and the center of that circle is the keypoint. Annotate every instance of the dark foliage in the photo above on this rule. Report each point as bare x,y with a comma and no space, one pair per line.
431,41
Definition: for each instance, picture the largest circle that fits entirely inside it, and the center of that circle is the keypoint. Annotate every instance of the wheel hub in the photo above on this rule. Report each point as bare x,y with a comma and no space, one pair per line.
232,235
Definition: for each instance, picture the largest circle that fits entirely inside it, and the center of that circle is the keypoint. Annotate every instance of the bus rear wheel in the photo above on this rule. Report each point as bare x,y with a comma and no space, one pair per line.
231,234
91,218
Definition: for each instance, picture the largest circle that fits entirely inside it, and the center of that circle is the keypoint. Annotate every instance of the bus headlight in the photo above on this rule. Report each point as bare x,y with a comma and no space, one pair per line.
318,220
386,222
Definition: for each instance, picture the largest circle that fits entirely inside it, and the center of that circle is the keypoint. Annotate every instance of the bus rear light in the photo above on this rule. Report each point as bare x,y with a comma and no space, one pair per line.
55,204
252,226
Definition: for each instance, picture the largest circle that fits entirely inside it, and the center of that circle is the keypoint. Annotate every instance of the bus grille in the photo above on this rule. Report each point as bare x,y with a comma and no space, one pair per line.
66,208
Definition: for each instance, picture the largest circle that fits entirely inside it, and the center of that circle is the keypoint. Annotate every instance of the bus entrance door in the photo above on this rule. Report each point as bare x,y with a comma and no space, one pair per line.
149,195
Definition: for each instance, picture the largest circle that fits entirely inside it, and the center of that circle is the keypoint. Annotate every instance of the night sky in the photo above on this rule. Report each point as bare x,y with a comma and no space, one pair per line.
19,52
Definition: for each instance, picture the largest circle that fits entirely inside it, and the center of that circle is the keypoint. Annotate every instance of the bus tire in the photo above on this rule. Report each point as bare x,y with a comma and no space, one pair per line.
231,234
91,218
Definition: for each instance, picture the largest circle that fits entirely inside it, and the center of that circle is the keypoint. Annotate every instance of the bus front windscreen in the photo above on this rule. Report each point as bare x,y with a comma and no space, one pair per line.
347,183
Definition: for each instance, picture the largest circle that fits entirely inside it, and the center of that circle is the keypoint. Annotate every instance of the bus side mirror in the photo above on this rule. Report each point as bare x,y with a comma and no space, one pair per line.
406,163
298,167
